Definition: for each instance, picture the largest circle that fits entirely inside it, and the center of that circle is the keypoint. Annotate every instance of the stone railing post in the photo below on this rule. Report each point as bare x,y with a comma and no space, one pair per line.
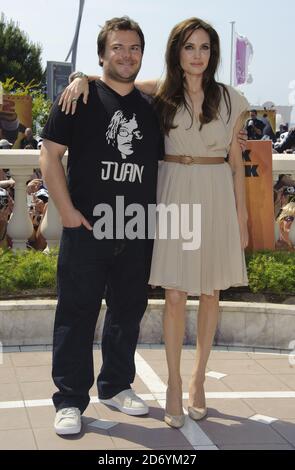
21,164
20,226
51,226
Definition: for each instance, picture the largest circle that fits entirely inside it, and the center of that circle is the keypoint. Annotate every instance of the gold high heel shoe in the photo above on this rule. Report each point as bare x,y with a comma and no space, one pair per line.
197,413
175,421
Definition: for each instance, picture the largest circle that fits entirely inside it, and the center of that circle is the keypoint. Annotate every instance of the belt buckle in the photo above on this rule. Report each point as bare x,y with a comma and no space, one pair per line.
187,159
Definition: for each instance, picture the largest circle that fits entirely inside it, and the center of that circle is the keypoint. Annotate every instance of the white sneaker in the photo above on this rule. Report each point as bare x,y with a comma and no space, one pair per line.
67,421
127,402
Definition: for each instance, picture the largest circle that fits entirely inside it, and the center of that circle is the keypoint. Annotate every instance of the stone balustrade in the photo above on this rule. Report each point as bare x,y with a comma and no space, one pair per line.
21,164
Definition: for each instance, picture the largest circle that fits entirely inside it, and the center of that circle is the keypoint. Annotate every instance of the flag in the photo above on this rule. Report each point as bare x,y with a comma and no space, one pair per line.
243,56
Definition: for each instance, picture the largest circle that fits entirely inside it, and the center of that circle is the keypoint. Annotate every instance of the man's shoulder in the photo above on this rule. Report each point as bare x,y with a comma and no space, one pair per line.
92,102
148,99
92,86
92,92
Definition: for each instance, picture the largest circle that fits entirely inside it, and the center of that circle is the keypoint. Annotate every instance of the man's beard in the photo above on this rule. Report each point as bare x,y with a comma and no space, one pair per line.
114,75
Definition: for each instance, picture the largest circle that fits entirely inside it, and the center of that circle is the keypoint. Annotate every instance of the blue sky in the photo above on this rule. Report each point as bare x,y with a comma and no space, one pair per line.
268,25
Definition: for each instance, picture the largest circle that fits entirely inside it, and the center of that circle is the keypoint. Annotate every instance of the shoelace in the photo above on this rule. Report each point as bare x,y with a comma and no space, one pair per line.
132,396
68,413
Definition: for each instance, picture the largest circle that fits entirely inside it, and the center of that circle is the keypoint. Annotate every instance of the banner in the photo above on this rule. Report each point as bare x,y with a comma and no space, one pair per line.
243,56
259,195
15,117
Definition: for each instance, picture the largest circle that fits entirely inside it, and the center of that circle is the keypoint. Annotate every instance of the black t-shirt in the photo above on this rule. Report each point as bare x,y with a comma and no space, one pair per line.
114,145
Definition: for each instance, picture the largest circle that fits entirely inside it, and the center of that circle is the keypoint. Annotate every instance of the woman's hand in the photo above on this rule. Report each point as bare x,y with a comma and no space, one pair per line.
242,139
242,219
70,95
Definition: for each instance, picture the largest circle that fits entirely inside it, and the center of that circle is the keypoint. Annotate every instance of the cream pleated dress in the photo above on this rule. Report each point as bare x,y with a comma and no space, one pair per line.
219,262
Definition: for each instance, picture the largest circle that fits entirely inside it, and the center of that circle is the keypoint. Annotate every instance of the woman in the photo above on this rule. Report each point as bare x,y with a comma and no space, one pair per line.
284,223
201,119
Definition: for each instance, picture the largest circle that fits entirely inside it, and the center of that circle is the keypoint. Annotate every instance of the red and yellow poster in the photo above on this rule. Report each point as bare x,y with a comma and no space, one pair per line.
15,117
259,194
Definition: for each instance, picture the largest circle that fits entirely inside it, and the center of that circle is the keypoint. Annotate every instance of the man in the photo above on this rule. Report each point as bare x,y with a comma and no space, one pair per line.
287,145
267,132
29,140
87,265
254,126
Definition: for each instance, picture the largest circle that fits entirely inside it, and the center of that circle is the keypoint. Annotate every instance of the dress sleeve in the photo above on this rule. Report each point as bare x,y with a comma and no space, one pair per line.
239,104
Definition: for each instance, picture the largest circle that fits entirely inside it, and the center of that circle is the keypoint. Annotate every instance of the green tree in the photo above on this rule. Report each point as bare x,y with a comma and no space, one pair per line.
19,58
40,111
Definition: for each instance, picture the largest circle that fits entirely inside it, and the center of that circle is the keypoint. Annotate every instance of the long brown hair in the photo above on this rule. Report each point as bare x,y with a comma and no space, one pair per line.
171,95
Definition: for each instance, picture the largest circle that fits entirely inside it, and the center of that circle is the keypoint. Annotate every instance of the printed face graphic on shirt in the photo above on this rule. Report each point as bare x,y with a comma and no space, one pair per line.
122,132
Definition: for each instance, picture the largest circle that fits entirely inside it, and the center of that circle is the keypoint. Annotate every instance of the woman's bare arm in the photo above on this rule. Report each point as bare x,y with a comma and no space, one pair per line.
237,166
80,86
77,86
149,87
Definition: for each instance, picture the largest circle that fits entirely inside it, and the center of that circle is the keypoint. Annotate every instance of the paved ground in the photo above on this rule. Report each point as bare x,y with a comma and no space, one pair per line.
250,398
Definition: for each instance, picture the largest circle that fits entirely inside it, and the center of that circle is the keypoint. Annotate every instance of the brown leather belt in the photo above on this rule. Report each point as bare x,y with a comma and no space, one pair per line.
187,160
